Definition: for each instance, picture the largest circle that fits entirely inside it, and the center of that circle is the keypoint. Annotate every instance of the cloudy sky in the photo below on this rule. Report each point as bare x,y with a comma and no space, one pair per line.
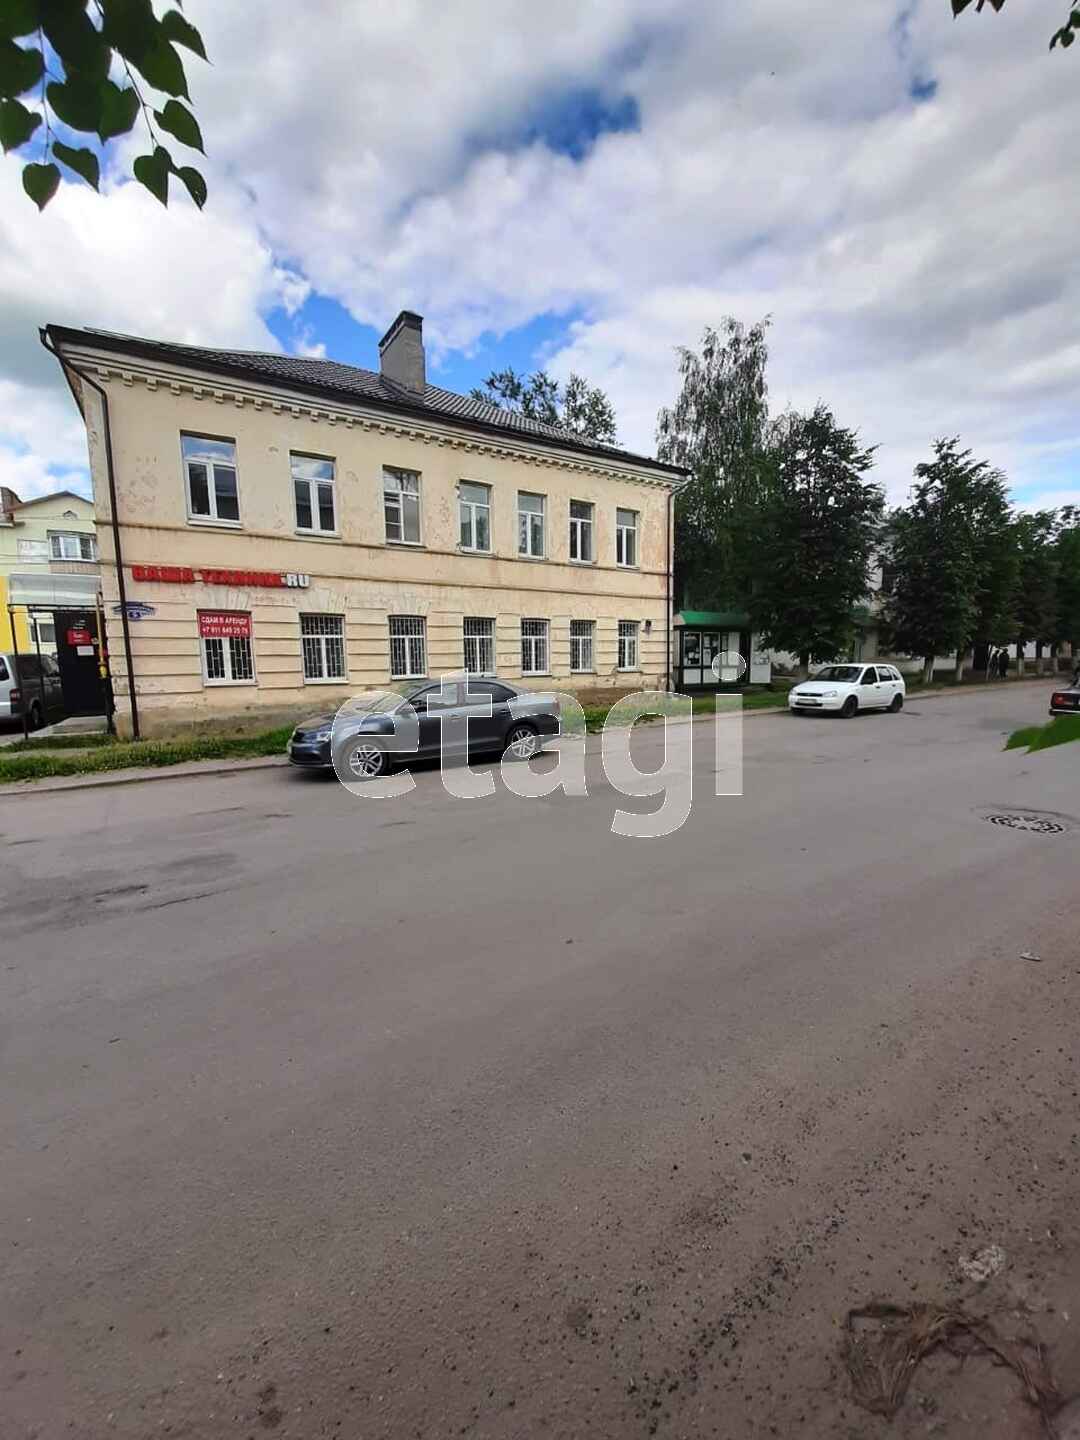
587,186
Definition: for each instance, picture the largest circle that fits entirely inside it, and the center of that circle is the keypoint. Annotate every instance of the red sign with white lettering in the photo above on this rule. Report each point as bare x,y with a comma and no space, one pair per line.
79,637
224,625
185,575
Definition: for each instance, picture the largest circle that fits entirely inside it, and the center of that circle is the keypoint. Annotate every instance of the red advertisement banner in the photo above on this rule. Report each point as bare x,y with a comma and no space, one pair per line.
224,625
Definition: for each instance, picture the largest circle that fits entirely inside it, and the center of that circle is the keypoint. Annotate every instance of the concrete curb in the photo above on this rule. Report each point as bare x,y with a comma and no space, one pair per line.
192,770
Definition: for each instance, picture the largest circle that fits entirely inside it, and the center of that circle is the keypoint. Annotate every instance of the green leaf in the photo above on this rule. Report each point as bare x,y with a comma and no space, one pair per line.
118,111
17,124
178,120
20,68
196,185
130,26
74,37
84,162
40,182
77,101
153,172
162,68
18,17
181,32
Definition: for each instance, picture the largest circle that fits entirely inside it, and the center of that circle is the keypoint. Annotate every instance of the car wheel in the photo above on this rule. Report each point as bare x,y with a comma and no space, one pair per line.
896,705
522,742
849,707
35,717
361,760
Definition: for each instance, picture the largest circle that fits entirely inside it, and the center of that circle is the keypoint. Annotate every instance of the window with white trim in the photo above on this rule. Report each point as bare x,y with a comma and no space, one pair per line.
322,641
313,493
628,644
210,476
66,546
228,659
581,645
401,505
479,635
531,525
534,647
626,537
408,647
474,515
581,530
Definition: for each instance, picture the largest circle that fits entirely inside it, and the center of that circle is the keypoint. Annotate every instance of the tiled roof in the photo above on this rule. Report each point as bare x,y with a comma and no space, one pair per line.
331,378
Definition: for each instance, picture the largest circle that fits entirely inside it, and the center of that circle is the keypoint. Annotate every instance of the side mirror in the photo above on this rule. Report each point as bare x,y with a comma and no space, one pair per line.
419,705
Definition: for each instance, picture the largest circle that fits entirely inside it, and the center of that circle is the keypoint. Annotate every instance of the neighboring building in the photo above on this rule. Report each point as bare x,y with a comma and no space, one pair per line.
54,535
294,531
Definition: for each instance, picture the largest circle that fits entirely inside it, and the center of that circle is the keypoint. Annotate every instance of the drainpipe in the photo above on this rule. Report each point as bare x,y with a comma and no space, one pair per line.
117,551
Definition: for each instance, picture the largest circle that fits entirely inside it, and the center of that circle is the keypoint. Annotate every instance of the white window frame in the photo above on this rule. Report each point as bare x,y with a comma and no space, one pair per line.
396,496
629,644
469,512
314,485
480,642
535,646
211,462
80,538
527,516
227,654
315,644
411,642
582,528
582,647
624,532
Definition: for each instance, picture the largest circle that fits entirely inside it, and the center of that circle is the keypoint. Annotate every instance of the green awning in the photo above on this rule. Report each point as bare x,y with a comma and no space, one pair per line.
714,619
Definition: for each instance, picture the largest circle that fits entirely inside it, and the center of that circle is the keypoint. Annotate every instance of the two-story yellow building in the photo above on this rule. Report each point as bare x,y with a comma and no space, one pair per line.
277,533
41,539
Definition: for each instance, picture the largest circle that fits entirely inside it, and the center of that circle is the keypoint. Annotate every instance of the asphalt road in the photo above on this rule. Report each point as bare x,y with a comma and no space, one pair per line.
328,1117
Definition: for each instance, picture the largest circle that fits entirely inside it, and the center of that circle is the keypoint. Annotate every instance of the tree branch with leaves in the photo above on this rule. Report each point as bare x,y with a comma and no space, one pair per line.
1064,36
82,70
579,407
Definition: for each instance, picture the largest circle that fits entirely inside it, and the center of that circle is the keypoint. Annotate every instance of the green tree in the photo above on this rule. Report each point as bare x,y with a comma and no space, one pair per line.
1037,592
719,429
1067,554
1063,36
820,523
946,543
57,62
579,407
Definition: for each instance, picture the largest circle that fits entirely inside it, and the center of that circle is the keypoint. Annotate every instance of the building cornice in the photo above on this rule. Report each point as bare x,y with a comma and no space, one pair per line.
283,399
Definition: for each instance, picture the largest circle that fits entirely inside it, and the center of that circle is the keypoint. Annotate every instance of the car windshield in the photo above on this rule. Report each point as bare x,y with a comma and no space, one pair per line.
376,702
847,674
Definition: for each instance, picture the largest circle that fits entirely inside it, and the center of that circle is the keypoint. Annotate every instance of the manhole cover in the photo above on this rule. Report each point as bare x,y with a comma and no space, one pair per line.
1014,820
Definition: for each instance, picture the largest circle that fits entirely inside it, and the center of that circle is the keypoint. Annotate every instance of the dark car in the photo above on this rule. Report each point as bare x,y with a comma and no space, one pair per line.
1067,701
374,730
37,690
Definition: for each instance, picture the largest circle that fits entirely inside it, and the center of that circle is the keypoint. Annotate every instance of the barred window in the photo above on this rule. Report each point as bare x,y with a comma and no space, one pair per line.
534,647
322,639
227,659
581,644
408,647
479,646
628,644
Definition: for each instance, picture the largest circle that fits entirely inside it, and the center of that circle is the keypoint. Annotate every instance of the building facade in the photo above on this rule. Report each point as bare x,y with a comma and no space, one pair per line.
52,535
289,532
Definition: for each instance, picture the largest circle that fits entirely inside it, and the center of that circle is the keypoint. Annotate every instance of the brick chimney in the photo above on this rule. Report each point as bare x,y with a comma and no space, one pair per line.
401,352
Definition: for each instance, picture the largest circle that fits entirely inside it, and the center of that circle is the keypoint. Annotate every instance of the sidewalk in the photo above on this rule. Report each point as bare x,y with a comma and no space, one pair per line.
197,769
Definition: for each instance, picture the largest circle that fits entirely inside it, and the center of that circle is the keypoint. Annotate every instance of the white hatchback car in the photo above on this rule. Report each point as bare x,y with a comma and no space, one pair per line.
847,689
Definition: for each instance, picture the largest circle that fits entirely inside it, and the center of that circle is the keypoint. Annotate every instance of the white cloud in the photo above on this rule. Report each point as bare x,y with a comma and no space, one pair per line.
916,259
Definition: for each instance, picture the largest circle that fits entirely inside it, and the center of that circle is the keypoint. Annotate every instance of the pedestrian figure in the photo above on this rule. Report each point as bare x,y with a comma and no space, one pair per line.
1004,664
